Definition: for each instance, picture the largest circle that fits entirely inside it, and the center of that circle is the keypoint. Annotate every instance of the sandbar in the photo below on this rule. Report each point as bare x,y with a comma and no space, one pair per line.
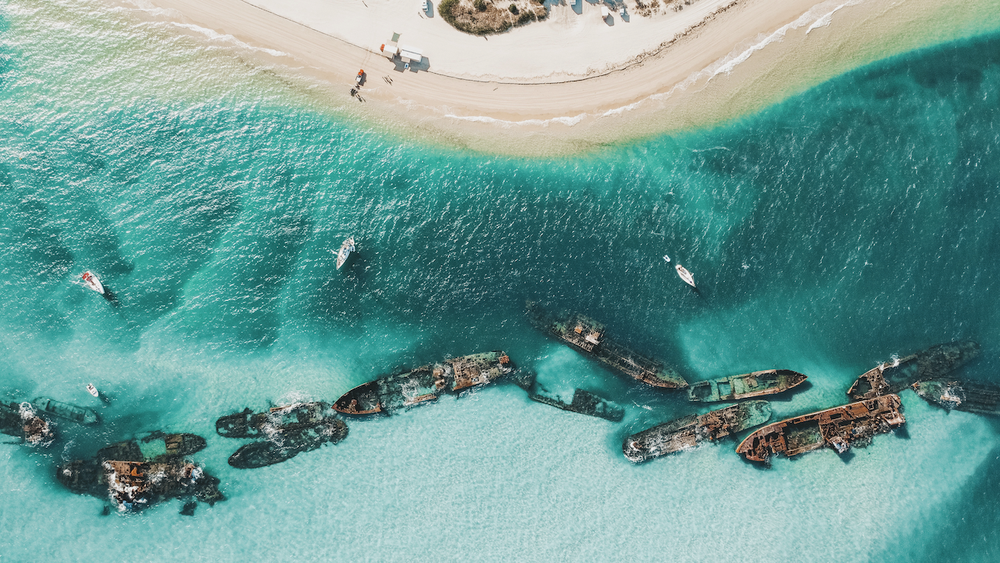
574,82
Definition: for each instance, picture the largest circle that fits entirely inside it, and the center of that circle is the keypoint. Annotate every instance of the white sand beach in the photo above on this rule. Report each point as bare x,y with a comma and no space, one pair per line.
574,81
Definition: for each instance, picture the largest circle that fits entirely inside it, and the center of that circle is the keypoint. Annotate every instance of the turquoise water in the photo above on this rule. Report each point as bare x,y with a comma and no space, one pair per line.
848,224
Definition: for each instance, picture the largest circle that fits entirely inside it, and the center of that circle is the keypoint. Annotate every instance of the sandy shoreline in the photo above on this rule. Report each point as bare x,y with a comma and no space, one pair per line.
573,82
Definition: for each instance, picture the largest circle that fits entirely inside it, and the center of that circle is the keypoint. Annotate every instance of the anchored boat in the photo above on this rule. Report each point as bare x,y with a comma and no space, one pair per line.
80,415
424,384
839,428
746,386
685,275
91,281
895,375
688,432
346,248
587,335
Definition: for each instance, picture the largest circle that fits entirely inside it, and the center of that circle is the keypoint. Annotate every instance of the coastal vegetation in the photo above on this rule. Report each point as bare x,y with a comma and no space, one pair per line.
482,17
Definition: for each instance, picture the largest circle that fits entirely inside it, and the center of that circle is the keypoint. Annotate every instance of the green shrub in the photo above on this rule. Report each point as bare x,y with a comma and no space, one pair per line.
480,5
513,9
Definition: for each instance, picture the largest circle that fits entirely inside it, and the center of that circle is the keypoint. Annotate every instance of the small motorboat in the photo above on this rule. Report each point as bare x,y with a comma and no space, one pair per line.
91,281
686,276
345,251
666,258
93,390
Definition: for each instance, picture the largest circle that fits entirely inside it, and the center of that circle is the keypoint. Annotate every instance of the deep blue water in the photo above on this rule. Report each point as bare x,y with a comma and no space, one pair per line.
850,223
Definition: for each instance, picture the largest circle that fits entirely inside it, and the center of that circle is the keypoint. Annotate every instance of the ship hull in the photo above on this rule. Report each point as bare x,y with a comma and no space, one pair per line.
689,432
838,428
424,384
746,386
894,376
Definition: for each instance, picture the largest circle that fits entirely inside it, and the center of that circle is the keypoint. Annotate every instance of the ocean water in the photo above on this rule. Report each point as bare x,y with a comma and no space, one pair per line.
851,223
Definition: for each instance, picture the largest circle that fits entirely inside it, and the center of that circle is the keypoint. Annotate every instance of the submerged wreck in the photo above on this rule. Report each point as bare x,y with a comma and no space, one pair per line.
688,432
426,383
153,447
248,424
79,415
839,428
21,420
746,386
134,485
580,401
968,396
895,375
587,335
286,444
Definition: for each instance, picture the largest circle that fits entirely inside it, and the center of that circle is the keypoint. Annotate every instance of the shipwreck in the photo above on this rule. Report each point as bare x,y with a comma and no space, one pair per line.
424,384
154,446
587,335
746,386
969,396
21,420
580,401
839,428
898,374
248,424
690,431
79,415
286,444
135,485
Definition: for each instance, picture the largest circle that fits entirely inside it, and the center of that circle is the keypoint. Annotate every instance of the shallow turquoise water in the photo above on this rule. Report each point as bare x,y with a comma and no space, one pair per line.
848,224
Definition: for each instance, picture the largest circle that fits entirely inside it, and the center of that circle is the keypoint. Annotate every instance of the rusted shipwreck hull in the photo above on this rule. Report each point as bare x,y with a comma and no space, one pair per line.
80,415
155,447
587,335
968,396
21,420
580,401
424,384
248,424
688,432
134,485
284,445
839,428
746,386
895,375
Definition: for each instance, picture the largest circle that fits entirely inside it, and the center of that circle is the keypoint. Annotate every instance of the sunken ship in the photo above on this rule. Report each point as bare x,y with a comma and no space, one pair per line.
249,424
580,401
136,474
587,335
79,415
154,446
745,386
283,445
839,428
21,420
690,431
969,396
134,485
424,384
895,375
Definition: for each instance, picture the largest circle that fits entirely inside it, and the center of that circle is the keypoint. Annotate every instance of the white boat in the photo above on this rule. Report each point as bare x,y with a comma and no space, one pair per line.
345,251
92,282
93,390
685,275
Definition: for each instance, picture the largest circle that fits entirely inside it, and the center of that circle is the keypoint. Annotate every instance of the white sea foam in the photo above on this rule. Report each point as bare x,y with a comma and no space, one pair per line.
566,120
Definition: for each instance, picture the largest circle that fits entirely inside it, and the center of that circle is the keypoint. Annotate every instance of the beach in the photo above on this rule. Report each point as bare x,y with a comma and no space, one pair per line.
574,81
